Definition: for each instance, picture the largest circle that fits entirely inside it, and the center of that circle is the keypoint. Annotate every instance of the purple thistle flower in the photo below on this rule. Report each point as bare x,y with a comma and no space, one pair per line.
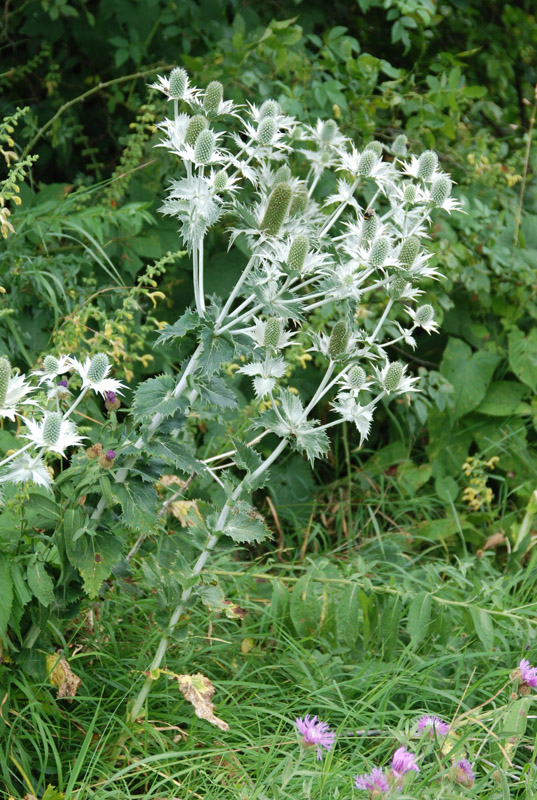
403,762
463,772
62,383
374,782
315,733
433,725
110,397
110,454
529,673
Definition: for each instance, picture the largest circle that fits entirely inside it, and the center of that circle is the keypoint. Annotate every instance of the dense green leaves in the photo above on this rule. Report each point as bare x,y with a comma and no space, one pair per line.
469,373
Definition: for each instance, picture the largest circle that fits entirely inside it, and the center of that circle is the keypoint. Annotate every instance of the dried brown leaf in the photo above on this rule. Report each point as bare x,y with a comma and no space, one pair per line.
62,676
198,690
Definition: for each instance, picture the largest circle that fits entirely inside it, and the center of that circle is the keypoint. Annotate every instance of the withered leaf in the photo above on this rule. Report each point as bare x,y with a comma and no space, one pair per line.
198,690
62,676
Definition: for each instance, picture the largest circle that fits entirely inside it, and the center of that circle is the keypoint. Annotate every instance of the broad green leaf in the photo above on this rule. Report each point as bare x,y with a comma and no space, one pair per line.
523,356
305,606
156,396
249,459
138,502
217,350
217,393
348,615
389,626
40,583
419,615
469,373
41,511
177,453
188,322
502,399
51,793
483,626
10,527
95,556
6,596
513,727
243,525
410,476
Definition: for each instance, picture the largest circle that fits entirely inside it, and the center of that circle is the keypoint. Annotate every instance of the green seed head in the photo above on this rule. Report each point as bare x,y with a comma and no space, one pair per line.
366,162
370,227
328,131
411,192
394,373
399,145
440,191
424,314
5,374
98,368
409,251
51,364
379,251
270,108
356,377
397,287
204,148
299,201
427,163
213,97
298,252
220,180
197,124
278,205
283,175
339,339
273,329
375,146
266,131
52,428
178,83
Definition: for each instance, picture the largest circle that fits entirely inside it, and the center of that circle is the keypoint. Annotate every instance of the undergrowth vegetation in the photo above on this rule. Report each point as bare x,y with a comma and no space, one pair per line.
268,366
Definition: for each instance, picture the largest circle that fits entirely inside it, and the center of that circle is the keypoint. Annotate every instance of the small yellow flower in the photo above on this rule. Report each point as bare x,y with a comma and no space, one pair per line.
304,358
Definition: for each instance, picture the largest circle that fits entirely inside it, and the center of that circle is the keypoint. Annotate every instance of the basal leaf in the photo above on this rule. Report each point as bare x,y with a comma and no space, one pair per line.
419,615
348,615
469,373
187,323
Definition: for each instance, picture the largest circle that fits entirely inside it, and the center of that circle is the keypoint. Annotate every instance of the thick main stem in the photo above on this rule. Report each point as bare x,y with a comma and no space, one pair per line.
198,567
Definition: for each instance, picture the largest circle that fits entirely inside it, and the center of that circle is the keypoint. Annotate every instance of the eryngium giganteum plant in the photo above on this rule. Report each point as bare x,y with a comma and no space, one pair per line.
256,173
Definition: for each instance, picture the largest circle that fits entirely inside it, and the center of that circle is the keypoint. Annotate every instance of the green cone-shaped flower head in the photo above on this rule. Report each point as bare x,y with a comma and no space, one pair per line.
339,339
52,428
178,83
298,252
328,131
220,180
427,163
213,97
380,251
370,226
394,373
283,175
397,287
203,151
367,162
424,314
299,202
399,145
5,374
266,131
410,193
375,146
197,124
440,191
51,364
409,251
277,208
273,329
270,108
356,377
98,367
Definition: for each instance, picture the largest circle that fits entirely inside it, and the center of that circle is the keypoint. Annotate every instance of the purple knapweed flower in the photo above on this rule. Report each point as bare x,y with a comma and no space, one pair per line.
110,454
62,383
315,733
403,762
433,725
463,772
529,673
374,782
110,397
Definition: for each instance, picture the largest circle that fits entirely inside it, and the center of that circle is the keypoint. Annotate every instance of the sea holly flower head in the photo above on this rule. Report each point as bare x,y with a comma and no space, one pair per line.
375,783
433,725
52,367
13,390
176,87
403,762
315,733
463,773
53,433
94,374
27,467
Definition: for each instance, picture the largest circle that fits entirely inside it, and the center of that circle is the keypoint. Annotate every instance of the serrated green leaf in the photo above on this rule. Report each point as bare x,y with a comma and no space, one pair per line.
348,615
243,525
469,373
177,453
40,583
51,793
6,596
138,502
156,396
483,626
217,350
217,393
419,615
94,556
188,322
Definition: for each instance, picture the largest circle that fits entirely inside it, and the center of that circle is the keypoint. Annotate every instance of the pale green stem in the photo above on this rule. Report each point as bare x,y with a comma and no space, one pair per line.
320,389
198,567
75,404
235,292
338,212
380,323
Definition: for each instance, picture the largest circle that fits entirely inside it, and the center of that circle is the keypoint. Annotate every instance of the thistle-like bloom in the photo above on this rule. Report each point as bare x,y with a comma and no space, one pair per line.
94,374
27,468
463,772
261,330
362,416
529,673
16,390
433,725
374,782
315,733
52,367
186,93
54,433
393,379
403,762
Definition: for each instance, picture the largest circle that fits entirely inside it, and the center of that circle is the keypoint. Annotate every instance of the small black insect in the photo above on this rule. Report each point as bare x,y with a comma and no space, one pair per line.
369,213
